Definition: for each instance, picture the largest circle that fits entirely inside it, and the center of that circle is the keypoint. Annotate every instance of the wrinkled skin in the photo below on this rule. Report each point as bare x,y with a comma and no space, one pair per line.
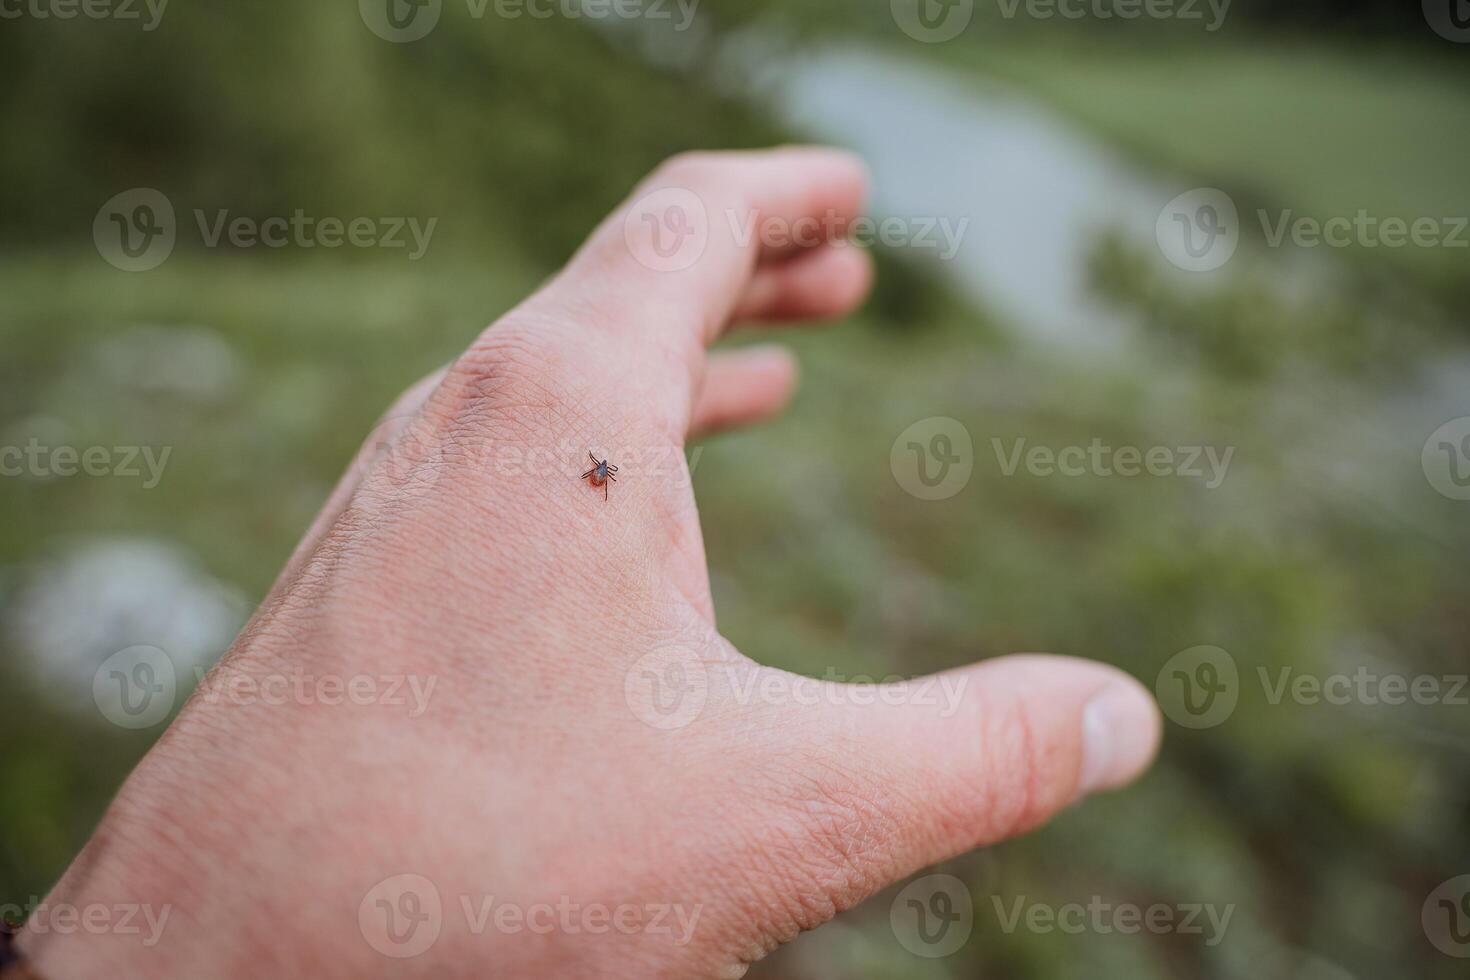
541,770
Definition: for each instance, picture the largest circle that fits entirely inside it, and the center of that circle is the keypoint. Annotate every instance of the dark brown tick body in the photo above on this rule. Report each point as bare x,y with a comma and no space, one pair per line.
601,472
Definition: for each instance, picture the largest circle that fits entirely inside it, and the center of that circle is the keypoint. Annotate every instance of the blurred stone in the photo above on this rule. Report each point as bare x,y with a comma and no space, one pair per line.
188,362
107,594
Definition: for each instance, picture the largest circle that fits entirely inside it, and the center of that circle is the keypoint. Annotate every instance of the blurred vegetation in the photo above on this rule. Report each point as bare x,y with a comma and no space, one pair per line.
1325,827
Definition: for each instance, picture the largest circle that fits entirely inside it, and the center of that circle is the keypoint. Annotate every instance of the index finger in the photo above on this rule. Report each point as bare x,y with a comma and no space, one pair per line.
671,263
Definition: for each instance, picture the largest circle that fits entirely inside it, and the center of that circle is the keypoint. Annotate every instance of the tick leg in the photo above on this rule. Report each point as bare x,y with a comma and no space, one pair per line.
604,492
593,458
588,473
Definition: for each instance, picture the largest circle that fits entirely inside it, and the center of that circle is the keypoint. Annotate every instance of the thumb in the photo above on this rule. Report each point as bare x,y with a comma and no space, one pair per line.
939,765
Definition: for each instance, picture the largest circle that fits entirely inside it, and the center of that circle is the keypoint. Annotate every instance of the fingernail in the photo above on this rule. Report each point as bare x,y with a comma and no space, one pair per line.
1120,734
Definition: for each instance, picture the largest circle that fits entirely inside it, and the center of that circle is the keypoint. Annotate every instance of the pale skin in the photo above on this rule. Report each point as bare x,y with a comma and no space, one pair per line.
538,773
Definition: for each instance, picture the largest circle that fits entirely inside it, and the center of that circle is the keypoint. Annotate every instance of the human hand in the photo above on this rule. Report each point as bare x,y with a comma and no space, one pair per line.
589,740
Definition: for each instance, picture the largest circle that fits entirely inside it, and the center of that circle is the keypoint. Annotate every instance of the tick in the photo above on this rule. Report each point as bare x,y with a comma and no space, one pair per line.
601,472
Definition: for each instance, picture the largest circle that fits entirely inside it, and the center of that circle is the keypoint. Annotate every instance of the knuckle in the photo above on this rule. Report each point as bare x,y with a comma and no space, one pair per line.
507,388
1023,789
540,379
523,343
517,366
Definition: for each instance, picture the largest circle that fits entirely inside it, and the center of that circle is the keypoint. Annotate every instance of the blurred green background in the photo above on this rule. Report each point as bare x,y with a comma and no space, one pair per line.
1325,548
